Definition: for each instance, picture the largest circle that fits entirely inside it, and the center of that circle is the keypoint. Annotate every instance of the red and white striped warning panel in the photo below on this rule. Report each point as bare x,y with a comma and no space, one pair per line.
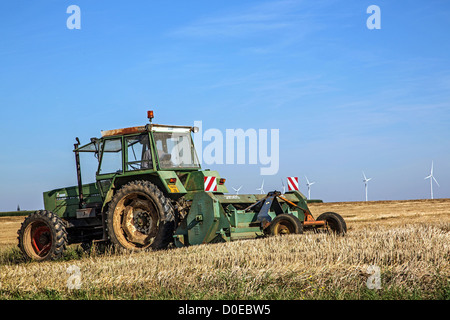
292,183
210,184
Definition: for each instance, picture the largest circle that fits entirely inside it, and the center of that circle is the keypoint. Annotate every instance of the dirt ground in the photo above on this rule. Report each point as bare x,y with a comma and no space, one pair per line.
356,214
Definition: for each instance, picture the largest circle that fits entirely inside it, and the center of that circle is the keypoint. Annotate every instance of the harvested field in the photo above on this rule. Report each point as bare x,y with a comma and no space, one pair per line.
8,230
404,244
387,213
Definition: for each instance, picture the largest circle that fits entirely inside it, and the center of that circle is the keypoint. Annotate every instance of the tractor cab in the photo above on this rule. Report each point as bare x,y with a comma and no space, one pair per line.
141,150
151,147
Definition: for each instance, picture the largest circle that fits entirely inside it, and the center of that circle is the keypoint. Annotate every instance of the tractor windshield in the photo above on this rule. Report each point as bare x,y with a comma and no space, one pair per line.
176,149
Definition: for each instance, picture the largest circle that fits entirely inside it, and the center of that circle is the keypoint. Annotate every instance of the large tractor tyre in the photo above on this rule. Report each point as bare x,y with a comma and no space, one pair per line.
284,224
334,221
42,236
140,217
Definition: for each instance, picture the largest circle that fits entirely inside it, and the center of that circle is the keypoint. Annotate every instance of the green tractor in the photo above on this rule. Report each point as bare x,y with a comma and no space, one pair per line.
150,193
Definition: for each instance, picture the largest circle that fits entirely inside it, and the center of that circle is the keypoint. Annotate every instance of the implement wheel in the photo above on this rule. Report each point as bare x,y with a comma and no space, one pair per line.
334,221
140,217
42,236
285,224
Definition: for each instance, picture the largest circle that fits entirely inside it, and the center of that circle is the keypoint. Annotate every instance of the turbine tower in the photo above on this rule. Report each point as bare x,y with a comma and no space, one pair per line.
309,184
261,189
431,177
237,190
284,187
366,180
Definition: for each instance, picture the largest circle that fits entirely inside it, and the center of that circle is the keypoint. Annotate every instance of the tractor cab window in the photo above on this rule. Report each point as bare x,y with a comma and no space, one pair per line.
111,161
87,161
176,149
139,154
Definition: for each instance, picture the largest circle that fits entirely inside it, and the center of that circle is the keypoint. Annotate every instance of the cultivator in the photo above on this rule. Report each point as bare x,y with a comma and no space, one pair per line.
150,192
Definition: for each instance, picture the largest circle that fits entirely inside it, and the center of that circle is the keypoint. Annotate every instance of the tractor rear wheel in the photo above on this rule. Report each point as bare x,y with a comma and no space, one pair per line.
334,221
140,217
284,224
42,236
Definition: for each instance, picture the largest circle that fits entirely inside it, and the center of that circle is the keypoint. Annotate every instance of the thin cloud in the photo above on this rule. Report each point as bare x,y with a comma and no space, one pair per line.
263,18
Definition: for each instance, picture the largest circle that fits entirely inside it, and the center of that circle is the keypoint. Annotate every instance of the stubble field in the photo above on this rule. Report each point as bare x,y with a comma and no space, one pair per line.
393,250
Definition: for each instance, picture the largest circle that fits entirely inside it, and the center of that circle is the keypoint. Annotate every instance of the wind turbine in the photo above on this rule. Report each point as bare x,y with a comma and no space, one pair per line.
237,190
262,187
309,184
365,183
284,187
431,177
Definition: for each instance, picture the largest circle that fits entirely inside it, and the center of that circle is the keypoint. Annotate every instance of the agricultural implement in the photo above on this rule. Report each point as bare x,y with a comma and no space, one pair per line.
150,192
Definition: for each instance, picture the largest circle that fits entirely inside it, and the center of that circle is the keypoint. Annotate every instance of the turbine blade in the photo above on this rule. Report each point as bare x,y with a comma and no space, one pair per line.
436,181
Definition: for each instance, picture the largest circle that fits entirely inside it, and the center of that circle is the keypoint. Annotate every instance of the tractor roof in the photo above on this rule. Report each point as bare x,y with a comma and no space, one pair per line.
123,131
149,127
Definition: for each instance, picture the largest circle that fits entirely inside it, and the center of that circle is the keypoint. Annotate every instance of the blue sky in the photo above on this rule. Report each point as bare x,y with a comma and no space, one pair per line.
346,99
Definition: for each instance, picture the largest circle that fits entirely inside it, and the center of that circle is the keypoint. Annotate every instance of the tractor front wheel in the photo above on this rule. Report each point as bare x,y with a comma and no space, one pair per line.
285,224
42,236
